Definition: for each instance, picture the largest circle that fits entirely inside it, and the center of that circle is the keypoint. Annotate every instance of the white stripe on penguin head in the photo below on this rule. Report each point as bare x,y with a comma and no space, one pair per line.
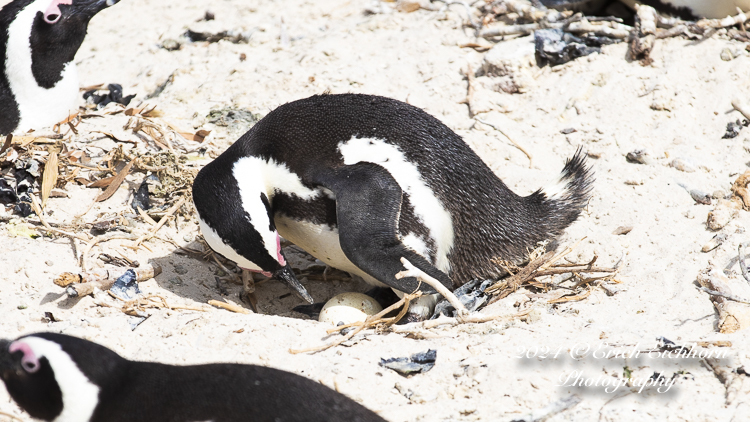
427,206
38,106
79,395
256,176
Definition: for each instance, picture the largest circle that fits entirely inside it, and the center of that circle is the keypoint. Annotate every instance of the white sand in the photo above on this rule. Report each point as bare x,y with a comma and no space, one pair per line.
414,57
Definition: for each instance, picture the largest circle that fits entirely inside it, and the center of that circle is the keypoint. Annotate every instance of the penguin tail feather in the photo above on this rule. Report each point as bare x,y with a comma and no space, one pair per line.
563,201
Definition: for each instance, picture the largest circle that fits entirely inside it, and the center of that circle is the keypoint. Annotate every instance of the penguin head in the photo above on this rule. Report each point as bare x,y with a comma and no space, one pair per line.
50,31
237,221
54,375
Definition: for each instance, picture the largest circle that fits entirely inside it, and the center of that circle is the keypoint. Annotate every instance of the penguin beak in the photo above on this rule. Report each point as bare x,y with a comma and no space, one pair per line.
92,7
286,275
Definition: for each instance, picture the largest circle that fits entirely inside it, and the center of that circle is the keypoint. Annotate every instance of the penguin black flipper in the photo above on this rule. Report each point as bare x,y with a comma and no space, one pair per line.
368,204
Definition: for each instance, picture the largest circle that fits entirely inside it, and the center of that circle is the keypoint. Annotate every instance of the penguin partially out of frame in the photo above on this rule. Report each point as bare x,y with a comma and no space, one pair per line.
38,42
55,377
360,182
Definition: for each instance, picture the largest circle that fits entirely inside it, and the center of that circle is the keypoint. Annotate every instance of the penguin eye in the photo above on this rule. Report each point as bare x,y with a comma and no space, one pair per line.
52,18
30,366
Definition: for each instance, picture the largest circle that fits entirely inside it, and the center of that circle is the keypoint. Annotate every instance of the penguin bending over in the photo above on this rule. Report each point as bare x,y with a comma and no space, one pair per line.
361,181
38,42
55,377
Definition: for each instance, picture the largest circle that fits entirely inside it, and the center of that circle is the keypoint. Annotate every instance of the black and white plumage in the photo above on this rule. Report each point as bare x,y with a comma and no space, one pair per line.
38,41
55,377
684,9
361,181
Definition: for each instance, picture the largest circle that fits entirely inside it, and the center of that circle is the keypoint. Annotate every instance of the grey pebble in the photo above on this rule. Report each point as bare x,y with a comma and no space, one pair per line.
49,263
180,269
639,156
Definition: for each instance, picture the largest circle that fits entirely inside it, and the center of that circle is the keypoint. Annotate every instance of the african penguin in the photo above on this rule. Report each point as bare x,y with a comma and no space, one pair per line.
684,9
39,40
361,181
55,377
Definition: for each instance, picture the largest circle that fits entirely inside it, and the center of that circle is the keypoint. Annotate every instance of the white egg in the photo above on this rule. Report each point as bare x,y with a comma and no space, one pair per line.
349,308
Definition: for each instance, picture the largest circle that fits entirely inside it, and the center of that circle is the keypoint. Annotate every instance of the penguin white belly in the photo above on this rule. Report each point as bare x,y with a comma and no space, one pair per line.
320,241
38,107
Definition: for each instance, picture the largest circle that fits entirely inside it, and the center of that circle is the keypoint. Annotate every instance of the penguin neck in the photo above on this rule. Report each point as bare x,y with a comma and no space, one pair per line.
43,98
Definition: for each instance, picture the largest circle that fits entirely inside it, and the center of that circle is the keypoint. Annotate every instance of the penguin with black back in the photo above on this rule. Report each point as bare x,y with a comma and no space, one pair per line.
55,377
360,182
38,42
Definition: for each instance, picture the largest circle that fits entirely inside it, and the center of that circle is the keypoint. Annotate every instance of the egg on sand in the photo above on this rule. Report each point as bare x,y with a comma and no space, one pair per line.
348,308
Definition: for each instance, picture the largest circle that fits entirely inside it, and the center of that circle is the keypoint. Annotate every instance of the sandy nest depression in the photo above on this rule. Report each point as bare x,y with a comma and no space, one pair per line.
677,107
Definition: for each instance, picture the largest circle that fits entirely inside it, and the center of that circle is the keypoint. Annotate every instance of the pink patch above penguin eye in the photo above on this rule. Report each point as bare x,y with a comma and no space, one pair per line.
53,14
29,361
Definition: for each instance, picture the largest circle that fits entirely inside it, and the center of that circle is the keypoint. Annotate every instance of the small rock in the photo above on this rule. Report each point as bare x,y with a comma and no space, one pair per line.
180,269
177,281
170,44
683,164
726,54
700,196
714,243
408,6
639,156
622,230
22,306
568,131
720,216
49,263
719,194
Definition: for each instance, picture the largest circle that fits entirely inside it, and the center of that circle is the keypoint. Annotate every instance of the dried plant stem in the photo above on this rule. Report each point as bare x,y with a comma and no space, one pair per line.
8,415
509,138
412,271
475,318
369,322
163,221
229,306
96,241
37,209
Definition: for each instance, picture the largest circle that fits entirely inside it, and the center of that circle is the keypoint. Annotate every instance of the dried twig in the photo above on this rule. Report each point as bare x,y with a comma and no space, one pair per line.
8,415
98,240
734,315
369,322
474,318
506,135
412,271
79,285
229,307
732,382
738,19
163,221
724,295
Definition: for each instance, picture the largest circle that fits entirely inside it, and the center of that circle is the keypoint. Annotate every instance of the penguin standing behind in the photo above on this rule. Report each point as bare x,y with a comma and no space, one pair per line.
55,377
361,181
38,42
